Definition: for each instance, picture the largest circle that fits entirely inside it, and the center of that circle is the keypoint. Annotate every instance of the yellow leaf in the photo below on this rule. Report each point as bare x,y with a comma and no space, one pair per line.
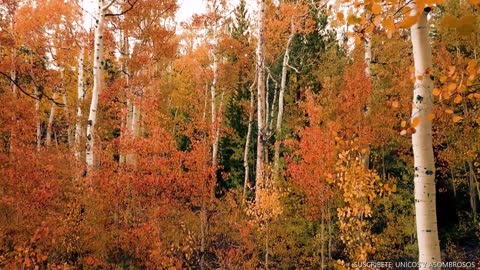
377,20
395,104
415,122
408,22
457,99
436,92
443,79
419,77
403,124
389,26
351,19
358,40
450,21
431,116
452,86
448,111
369,28
376,8
466,24
456,118
451,70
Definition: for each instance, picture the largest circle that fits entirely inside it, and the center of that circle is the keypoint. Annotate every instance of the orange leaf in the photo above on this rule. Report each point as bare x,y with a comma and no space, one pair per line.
415,122
457,99
436,92
395,104
452,86
389,26
340,16
448,111
456,118
443,79
408,22
376,8
431,116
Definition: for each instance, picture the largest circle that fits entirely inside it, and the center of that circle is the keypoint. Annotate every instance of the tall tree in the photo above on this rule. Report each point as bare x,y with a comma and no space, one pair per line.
261,125
424,162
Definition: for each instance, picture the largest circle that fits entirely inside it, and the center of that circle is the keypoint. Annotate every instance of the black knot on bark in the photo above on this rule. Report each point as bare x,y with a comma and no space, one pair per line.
427,9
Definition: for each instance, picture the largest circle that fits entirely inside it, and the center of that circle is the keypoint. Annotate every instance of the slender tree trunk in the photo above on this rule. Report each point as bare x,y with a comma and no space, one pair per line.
266,244
261,138
368,54
81,93
425,208
67,117
272,110
278,127
329,216
471,188
322,239
13,72
39,124
215,124
97,84
247,141
48,139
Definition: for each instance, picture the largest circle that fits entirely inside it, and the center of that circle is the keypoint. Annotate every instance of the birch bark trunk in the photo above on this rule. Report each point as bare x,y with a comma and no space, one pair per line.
425,208
213,93
48,140
261,138
39,125
247,141
81,93
283,83
97,84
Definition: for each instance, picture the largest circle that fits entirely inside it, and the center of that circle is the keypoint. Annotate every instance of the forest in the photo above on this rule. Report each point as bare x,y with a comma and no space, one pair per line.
256,134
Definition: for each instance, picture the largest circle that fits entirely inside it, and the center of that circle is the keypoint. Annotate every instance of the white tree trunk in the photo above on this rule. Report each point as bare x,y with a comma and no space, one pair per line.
97,84
261,138
368,54
283,83
214,110
425,208
215,124
39,125
48,140
133,124
81,93
247,141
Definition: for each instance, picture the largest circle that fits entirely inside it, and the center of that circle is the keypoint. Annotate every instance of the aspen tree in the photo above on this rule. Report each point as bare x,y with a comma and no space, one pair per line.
97,80
261,137
80,99
424,163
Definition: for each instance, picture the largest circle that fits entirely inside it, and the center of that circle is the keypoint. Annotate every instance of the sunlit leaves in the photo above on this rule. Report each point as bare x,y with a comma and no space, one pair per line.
408,22
464,25
376,8
456,118
389,26
415,122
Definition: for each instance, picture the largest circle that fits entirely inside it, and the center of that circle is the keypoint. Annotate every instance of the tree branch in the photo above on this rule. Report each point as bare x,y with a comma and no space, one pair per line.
28,94
125,11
